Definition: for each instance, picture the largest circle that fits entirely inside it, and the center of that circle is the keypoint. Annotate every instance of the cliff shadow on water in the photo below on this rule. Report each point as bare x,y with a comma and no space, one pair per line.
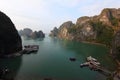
13,65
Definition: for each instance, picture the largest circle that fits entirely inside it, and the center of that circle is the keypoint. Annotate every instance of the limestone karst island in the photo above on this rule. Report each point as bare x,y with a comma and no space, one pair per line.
54,40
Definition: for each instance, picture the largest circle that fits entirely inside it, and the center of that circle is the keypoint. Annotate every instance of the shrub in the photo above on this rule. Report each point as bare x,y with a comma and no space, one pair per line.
104,33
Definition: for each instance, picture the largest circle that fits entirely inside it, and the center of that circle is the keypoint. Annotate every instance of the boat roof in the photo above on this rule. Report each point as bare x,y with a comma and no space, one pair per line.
91,58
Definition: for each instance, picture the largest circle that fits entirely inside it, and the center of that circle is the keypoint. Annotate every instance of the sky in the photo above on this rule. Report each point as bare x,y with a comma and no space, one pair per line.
46,14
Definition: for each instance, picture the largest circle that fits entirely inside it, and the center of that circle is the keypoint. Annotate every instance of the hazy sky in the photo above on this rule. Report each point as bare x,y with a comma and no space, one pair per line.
46,14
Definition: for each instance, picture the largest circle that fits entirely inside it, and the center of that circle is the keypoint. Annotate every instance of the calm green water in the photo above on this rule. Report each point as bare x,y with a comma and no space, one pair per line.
52,61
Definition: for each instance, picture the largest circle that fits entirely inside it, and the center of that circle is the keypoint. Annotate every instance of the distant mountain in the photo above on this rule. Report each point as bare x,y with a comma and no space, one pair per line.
27,32
103,28
10,41
54,32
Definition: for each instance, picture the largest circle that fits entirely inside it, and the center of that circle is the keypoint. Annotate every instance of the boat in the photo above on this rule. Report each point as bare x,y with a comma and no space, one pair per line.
91,62
91,59
30,48
84,64
72,59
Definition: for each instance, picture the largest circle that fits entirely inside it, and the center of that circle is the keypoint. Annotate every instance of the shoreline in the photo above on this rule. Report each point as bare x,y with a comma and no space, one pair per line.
94,43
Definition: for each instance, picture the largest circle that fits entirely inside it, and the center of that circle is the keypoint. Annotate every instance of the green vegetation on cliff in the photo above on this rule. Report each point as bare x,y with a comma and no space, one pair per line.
74,29
114,21
104,33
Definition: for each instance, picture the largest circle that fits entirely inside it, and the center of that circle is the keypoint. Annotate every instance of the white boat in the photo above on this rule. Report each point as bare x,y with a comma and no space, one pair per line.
91,59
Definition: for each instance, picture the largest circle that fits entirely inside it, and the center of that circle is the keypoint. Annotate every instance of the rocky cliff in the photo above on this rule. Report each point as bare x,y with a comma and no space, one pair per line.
100,28
63,31
10,41
116,45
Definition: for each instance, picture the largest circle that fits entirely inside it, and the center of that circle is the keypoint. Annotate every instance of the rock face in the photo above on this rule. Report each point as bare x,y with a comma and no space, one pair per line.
10,41
110,17
30,34
116,45
63,30
100,28
82,20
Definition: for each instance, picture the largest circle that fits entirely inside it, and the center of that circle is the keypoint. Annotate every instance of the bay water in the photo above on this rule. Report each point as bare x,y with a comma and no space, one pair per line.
51,62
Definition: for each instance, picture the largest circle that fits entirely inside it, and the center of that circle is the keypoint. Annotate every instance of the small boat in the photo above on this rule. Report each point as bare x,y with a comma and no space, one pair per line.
72,59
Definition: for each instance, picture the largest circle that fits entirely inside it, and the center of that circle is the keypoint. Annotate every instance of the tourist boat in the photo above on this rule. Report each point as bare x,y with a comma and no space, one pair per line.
30,48
91,63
